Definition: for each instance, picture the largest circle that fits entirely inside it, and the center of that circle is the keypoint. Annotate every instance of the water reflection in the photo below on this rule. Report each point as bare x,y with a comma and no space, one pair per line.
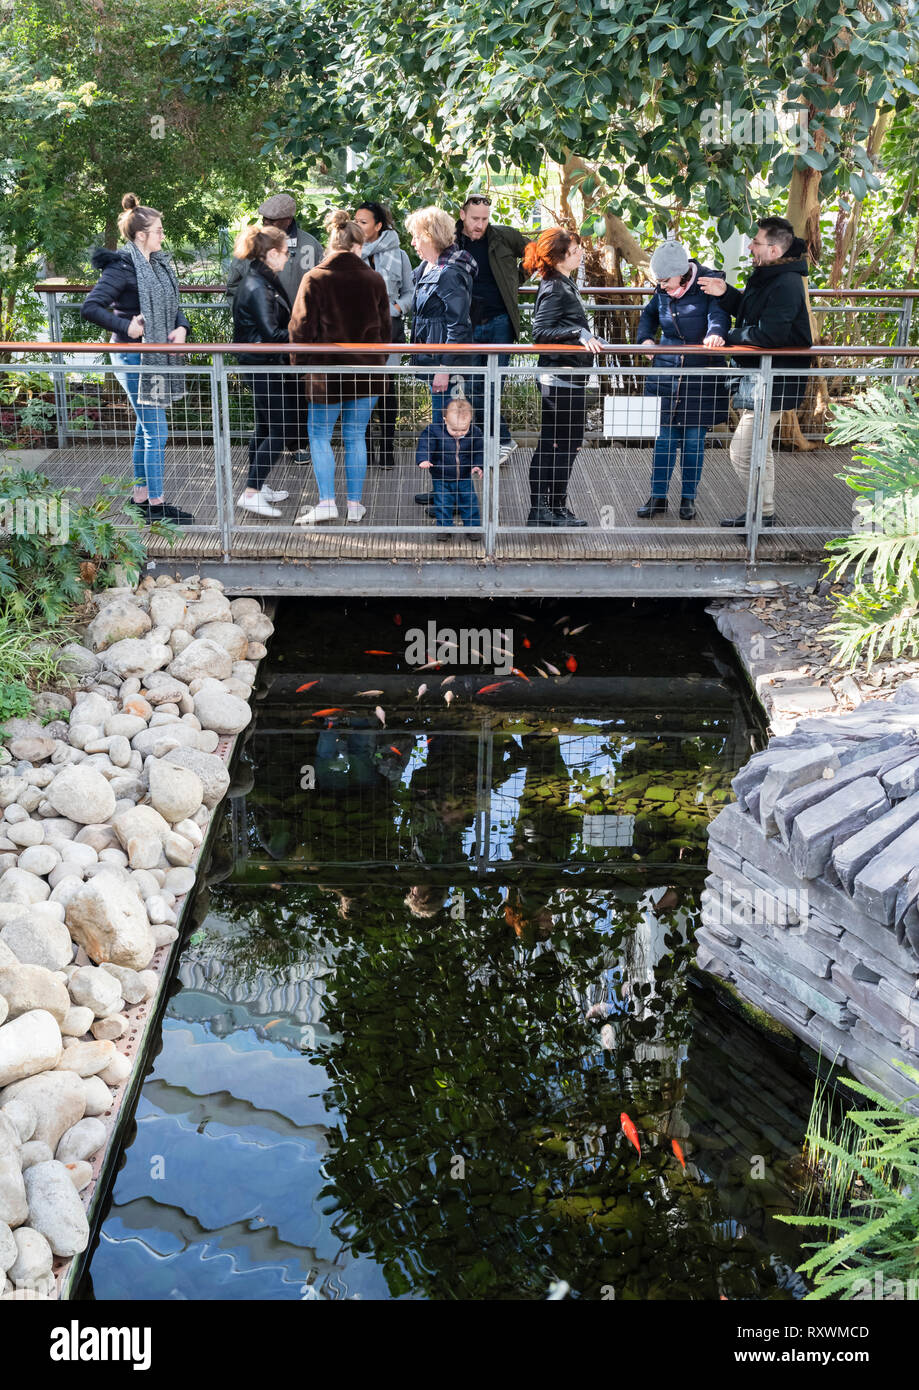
435,964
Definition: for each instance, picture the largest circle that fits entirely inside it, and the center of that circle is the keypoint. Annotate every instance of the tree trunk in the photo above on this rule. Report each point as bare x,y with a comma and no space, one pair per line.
845,239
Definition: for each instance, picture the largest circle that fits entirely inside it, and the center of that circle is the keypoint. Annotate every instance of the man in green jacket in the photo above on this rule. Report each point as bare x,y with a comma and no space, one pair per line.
495,307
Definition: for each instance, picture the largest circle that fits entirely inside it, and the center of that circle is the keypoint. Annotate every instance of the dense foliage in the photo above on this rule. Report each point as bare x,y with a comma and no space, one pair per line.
876,1238
881,610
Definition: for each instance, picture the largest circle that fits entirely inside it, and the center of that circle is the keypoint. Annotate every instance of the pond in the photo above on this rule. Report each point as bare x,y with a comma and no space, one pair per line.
442,951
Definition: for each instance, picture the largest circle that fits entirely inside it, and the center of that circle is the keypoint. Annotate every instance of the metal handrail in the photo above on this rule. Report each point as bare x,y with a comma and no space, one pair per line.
480,349
58,287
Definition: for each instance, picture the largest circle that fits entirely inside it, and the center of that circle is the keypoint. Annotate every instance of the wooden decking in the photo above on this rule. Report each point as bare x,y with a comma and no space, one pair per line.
608,484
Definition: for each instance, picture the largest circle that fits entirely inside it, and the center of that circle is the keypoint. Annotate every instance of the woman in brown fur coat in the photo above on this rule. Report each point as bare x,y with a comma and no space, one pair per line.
341,301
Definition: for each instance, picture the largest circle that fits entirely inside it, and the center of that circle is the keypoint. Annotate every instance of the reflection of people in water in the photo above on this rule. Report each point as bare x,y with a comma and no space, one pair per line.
527,912
444,799
543,829
360,754
426,900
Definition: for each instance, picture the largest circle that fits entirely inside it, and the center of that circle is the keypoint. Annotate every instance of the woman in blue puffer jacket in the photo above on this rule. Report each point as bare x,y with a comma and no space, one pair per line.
690,405
443,296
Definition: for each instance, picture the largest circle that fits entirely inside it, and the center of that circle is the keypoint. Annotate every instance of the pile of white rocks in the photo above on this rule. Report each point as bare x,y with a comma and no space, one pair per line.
102,816
811,908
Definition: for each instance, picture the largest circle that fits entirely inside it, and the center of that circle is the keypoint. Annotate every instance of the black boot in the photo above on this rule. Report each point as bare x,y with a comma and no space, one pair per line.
567,518
654,506
541,515
687,508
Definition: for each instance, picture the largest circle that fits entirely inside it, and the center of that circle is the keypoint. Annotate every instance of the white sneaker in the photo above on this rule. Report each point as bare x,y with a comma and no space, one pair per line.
258,502
273,496
506,450
323,511
356,511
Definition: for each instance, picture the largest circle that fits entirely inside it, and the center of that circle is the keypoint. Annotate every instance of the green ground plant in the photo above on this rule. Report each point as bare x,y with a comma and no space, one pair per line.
879,614
872,1192
52,549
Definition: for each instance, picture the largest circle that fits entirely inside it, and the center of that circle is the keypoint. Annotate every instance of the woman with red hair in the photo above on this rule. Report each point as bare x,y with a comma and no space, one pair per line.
559,317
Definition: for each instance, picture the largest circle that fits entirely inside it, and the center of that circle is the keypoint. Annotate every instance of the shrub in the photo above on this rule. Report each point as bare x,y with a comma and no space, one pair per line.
876,1154
52,550
881,612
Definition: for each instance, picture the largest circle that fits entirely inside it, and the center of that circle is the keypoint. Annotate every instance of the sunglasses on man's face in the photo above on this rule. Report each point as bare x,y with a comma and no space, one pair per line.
474,202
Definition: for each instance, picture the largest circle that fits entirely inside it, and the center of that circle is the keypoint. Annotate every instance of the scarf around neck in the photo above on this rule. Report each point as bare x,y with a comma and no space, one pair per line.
684,289
158,294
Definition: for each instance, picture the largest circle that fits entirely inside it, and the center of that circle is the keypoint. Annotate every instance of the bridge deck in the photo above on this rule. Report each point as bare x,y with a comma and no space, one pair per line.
608,484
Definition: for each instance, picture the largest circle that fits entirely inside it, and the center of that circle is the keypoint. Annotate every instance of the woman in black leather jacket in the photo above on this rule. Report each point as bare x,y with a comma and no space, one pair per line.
261,313
559,317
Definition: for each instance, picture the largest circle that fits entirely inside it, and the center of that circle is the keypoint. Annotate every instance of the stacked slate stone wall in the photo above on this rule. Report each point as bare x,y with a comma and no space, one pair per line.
811,907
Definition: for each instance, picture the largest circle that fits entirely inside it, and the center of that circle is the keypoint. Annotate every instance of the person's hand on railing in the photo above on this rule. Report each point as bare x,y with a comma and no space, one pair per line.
441,381
477,473
177,335
425,463
595,345
713,340
712,284
137,326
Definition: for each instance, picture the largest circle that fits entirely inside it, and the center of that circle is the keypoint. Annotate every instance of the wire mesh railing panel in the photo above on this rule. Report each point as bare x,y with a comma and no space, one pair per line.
388,448
151,427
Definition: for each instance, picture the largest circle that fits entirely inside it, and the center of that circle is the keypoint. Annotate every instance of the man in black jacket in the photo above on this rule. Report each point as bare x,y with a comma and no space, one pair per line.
770,313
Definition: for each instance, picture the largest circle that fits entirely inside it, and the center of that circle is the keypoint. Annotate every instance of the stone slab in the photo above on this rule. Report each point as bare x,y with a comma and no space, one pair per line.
903,780
852,854
841,814
788,807
877,884
787,774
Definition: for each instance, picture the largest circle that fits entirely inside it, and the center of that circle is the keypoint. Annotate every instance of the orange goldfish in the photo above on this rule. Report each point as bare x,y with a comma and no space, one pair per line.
516,672
486,689
372,651
320,713
571,664
630,1132
527,642
679,1153
309,685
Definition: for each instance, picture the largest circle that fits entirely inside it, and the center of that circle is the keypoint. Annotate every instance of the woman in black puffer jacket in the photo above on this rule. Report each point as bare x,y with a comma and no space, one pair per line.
559,317
261,314
137,297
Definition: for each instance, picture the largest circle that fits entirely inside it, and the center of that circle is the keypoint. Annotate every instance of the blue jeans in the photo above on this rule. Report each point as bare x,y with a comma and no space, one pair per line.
689,442
151,431
496,330
355,416
455,495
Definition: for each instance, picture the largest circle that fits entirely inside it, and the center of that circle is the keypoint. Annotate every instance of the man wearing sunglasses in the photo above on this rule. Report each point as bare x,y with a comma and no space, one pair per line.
495,307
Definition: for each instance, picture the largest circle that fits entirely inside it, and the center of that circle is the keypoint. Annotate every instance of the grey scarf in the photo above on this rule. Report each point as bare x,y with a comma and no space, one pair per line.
158,292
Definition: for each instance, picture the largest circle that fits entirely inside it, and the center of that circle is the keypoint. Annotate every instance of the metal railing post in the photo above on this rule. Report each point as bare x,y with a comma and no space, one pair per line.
492,417
59,378
223,459
903,327
762,400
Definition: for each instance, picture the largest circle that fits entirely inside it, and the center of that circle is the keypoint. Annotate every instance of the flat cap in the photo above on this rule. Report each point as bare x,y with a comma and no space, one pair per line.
279,205
670,258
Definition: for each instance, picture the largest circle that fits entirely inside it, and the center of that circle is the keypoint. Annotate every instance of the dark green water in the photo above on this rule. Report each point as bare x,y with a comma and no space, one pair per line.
378,1077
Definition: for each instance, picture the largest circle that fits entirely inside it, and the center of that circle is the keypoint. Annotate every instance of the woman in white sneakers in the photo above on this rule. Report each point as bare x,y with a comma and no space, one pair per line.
261,314
341,301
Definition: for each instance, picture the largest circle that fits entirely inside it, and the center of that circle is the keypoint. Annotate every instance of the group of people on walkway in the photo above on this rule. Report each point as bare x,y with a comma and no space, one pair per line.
285,288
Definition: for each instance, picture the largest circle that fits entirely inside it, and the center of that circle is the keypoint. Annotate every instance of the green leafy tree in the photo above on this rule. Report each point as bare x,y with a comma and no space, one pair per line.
89,113
618,98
